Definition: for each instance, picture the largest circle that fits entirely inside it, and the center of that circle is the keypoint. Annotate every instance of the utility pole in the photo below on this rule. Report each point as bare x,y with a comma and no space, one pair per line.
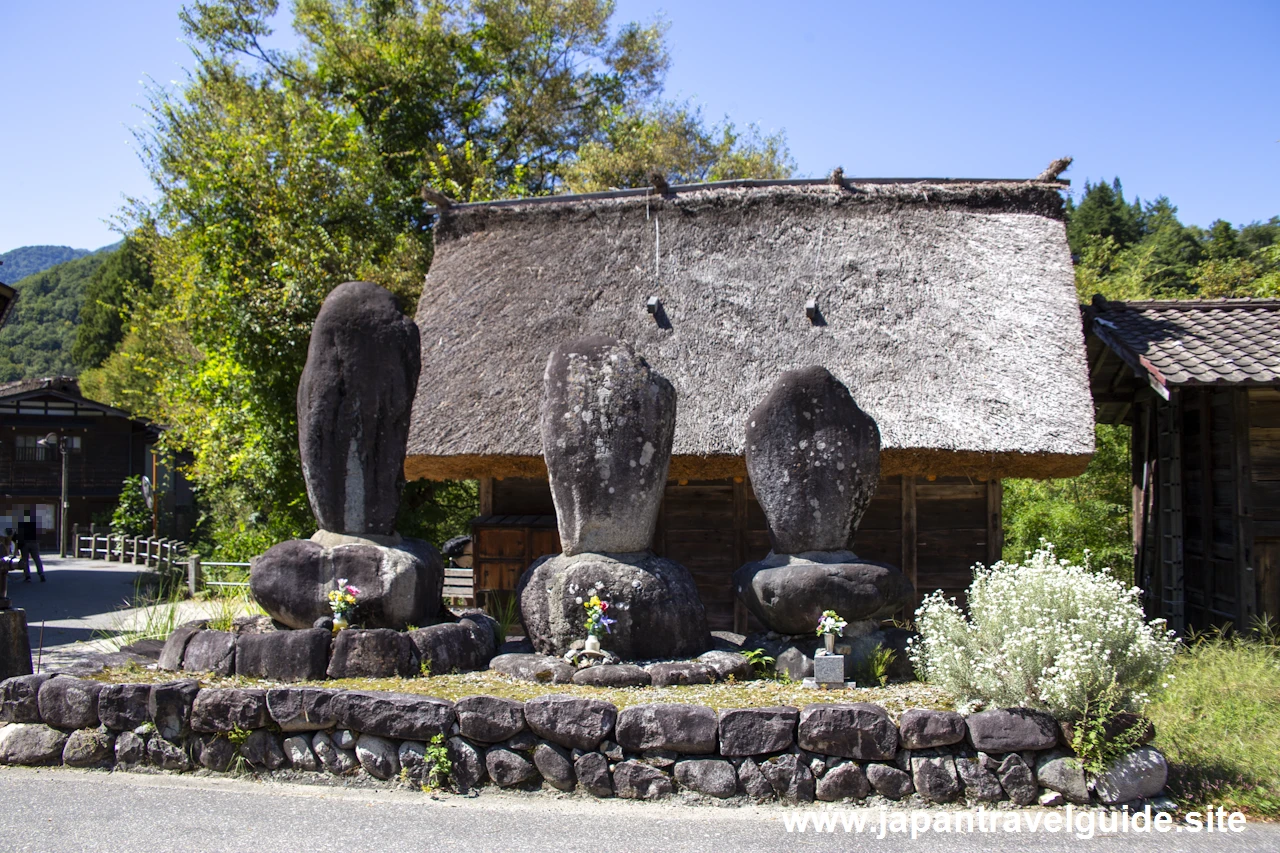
59,442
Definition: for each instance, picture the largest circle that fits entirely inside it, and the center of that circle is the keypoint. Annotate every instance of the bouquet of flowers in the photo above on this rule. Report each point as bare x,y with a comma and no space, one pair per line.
597,622
831,623
343,599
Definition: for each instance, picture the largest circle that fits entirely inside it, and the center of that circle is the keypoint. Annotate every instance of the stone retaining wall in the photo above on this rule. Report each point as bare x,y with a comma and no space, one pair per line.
828,752
256,650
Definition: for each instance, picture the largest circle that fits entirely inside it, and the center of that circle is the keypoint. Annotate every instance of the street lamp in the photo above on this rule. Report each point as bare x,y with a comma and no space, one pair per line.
53,440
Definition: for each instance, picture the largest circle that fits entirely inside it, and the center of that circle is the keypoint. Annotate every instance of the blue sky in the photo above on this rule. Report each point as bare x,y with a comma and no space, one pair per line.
1176,98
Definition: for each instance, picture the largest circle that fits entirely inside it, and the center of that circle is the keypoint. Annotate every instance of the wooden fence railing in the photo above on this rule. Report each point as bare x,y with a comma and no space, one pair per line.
164,554
172,556
459,583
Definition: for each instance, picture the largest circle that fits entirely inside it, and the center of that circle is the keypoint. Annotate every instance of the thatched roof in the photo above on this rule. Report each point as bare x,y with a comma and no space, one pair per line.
948,308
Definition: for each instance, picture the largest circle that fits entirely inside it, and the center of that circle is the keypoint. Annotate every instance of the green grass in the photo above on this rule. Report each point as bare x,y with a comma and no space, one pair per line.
1218,722
155,609
748,694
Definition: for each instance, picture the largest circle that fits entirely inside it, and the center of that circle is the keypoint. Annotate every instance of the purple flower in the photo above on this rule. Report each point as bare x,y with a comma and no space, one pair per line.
606,622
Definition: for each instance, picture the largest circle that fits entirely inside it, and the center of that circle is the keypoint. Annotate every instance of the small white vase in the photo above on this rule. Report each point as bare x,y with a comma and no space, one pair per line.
592,644
339,622
830,640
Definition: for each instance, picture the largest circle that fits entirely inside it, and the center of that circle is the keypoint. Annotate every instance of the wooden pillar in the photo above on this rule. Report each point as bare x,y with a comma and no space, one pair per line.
1169,441
909,541
995,520
486,495
740,499
1242,472
195,577
1206,495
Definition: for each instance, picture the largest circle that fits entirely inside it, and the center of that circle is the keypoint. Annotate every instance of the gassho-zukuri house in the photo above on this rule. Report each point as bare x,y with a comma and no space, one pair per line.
946,306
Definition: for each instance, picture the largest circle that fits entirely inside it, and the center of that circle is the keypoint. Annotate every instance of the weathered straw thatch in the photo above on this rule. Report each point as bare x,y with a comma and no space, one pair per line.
947,308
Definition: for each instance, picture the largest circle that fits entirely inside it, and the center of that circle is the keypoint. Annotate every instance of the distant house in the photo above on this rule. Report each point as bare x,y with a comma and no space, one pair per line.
947,307
105,445
8,296
1199,382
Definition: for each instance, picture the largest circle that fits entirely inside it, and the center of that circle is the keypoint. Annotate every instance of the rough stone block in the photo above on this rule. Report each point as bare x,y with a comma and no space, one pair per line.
372,653
688,729
508,768
634,780
570,721
31,744
19,698
921,728
302,709
213,652
69,703
711,776
122,707
89,748
592,770
225,709
1011,730
853,730
393,715
847,781
284,655
757,731
489,719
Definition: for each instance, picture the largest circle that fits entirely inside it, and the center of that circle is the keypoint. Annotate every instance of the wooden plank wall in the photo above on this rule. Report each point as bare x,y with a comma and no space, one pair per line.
1210,507
1264,480
934,530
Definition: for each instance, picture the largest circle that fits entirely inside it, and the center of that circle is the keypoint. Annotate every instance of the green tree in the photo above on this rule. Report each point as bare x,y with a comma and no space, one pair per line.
121,279
673,141
1102,213
1091,512
283,174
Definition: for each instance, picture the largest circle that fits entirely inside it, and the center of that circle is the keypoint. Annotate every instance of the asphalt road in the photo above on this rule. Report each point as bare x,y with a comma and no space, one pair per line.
54,810
78,598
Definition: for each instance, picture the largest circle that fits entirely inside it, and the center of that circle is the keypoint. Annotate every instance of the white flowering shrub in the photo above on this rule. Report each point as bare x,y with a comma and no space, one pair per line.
1066,639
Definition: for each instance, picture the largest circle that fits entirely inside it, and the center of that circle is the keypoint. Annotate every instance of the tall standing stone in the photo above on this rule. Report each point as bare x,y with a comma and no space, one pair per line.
354,401
814,461
607,425
808,422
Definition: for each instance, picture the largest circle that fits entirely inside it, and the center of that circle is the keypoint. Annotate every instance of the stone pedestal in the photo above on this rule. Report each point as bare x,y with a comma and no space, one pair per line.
15,646
828,670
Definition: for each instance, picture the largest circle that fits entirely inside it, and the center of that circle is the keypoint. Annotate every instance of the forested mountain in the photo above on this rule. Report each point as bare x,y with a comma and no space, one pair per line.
39,334
29,260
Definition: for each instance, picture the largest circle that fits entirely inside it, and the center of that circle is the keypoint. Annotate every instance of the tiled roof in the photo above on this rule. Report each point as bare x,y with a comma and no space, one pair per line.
65,384
1195,342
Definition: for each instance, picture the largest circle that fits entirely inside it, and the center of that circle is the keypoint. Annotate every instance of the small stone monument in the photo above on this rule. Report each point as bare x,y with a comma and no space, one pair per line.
354,401
828,670
814,461
607,425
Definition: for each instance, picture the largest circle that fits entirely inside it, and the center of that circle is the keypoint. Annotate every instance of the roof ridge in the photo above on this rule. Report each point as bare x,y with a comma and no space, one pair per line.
847,183
1185,304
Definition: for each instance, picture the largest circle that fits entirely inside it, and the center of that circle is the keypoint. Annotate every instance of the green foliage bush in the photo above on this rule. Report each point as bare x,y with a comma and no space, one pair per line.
131,516
1046,634
1092,512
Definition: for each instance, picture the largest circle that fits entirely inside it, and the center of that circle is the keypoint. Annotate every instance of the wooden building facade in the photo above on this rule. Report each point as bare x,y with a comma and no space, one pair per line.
105,446
1199,383
942,305
934,530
